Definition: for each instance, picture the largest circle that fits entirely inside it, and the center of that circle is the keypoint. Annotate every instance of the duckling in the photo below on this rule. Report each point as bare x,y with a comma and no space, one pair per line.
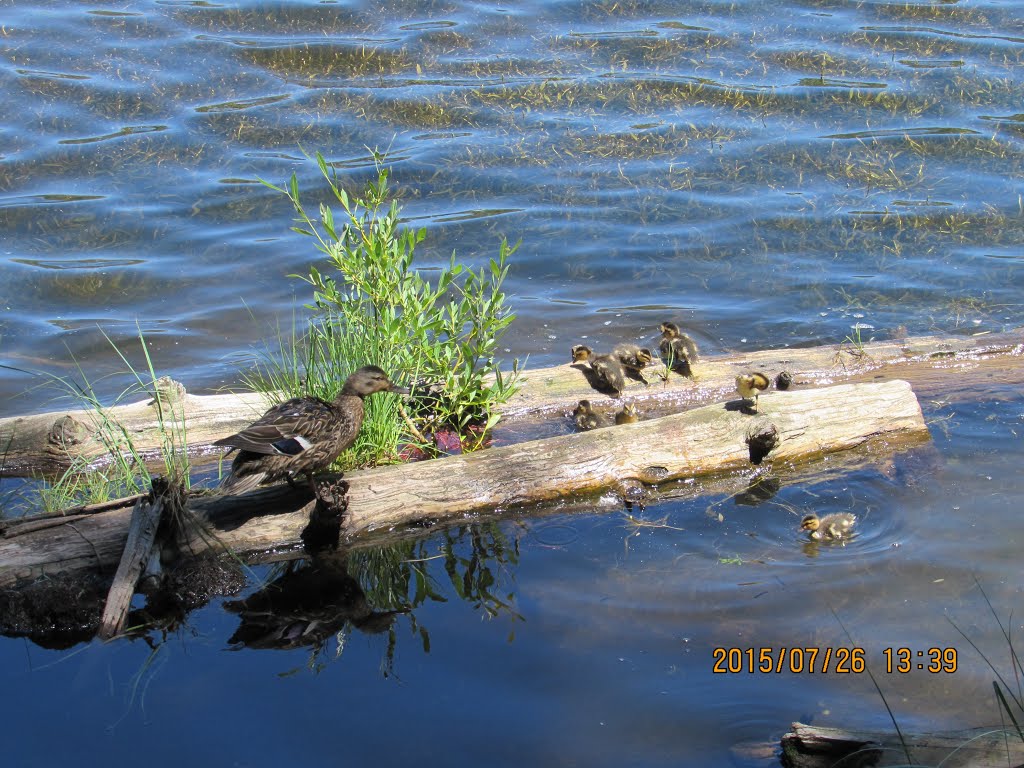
301,435
585,417
633,359
628,415
677,349
751,385
833,527
607,369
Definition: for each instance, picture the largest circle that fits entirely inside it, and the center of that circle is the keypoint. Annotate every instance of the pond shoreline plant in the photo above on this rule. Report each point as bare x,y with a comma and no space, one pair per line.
371,306
124,469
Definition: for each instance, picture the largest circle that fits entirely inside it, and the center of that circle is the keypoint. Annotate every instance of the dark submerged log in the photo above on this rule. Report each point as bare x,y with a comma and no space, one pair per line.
807,746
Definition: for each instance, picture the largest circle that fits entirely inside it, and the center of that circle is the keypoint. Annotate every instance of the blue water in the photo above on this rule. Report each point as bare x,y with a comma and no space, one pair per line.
764,176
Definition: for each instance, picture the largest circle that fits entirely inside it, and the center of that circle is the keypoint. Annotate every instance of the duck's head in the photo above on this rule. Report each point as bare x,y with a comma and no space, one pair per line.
584,407
370,379
581,353
810,523
644,356
669,330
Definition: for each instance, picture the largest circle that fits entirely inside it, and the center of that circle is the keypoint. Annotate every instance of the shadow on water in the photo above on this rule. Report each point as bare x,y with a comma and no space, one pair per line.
314,602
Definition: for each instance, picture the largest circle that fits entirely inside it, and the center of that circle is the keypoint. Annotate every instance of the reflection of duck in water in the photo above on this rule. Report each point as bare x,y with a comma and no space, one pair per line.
751,385
302,435
607,369
628,415
834,527
633,359
677,350
584,416
304,607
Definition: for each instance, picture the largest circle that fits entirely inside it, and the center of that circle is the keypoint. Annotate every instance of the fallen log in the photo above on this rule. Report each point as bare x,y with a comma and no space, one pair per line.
807,746
50,441
792,427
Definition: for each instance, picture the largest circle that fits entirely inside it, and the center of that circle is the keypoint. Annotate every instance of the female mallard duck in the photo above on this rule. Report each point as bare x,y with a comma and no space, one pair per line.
751,385
606,368
677,349
301,435
833,527
628,415
585,417
633,359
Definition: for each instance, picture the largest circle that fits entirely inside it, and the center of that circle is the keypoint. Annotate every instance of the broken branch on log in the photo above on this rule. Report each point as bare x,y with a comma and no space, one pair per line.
141,536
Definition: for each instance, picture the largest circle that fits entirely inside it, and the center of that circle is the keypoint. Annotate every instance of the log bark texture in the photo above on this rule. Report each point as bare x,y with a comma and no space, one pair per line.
141,536
933,365
807,746
714,439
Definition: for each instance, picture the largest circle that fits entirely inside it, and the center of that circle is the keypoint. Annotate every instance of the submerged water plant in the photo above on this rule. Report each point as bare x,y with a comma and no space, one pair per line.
372,306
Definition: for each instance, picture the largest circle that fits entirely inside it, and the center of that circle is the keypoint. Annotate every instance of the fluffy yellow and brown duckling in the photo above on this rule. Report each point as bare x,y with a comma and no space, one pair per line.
751,385
301,435
633,359
677,349
628,415
833,527
584,416
607,369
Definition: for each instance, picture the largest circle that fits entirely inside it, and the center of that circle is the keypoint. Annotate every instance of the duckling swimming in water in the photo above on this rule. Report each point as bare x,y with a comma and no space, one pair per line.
628,415
833,527
584,416
633,359
606,368
677,349
750,385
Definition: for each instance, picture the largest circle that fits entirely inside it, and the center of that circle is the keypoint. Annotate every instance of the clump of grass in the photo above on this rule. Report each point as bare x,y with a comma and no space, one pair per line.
123,469
372,307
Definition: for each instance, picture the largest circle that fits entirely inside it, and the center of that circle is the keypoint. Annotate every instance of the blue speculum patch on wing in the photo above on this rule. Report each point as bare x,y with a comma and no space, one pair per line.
291,446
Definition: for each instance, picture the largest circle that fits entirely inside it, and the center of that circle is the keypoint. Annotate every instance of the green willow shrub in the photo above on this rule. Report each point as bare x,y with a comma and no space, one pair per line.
372,306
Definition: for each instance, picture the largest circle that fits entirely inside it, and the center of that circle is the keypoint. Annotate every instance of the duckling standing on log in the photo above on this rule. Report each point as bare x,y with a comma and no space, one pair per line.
751,385
628,415
633,359
677,349
834,527
607,369
584,416
301,435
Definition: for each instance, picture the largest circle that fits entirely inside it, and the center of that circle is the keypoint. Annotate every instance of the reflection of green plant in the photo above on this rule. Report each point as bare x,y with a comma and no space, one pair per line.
372,306
399,578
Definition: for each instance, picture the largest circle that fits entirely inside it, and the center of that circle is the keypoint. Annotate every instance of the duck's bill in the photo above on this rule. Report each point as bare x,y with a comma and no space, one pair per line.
398,390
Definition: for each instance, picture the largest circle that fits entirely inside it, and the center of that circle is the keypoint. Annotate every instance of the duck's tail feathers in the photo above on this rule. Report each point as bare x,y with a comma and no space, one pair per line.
233,485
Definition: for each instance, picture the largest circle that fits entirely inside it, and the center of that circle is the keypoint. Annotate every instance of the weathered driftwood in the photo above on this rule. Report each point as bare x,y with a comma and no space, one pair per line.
807,746
932,365
808,424
141,536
